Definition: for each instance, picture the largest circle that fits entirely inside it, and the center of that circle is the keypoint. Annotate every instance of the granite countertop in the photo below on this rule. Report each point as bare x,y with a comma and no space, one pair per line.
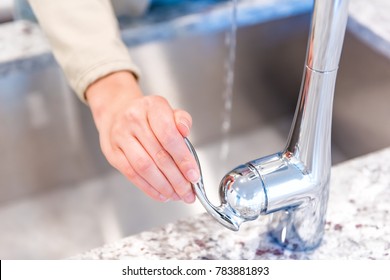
370,21
357,227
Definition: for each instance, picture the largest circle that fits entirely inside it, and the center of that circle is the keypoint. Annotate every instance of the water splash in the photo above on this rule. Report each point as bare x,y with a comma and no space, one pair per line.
230,42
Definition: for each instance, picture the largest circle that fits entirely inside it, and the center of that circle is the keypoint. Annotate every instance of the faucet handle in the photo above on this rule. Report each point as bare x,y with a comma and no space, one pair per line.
224,214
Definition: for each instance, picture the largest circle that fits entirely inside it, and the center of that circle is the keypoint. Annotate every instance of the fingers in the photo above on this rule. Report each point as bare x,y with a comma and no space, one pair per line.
143,139
164,127
140,164
119,161
165,164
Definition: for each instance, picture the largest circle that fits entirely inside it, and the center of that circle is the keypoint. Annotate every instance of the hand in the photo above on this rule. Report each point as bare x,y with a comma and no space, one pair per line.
142,137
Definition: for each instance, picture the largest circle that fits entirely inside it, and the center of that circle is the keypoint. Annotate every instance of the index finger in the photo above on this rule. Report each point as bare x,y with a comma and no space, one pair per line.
164,127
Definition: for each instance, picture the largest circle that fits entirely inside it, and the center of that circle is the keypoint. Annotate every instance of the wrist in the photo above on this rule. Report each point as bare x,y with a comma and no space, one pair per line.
106,90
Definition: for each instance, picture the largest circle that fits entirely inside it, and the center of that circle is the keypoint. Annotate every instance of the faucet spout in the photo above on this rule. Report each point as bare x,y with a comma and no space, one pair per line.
293,184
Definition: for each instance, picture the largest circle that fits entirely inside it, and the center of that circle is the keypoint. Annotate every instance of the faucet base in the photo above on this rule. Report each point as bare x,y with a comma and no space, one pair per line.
299,229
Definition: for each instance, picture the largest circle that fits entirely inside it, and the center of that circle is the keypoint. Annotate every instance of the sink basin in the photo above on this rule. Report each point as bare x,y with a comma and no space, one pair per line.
52,168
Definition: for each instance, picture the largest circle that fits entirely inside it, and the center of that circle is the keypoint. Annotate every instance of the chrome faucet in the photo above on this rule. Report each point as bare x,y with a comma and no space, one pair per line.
293,185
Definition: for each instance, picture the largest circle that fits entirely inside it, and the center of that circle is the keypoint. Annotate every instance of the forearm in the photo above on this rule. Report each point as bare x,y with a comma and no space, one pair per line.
85,39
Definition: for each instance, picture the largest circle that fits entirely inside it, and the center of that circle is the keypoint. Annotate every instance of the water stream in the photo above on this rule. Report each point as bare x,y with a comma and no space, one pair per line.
230,42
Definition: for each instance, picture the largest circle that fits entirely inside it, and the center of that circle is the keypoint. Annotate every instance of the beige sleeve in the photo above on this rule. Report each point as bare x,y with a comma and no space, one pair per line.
85,39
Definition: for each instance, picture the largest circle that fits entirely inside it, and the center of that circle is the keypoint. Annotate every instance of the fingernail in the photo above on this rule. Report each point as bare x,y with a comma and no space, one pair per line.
189,198
185,125
193,176
163,198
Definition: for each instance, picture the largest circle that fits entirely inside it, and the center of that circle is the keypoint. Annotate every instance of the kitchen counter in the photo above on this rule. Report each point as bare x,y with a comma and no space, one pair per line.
370,21
357,226
24,47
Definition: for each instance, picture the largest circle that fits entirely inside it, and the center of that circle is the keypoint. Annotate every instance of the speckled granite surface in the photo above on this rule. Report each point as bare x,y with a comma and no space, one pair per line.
370,21
358,226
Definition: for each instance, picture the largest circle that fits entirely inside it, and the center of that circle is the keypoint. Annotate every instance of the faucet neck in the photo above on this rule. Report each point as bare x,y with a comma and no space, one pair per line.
329,20
309,140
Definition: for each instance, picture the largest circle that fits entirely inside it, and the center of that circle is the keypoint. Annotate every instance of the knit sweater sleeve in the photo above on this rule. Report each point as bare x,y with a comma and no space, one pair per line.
85,39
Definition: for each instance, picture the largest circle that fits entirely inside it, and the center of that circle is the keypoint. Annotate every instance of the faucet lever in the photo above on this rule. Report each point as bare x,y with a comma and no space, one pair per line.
224,214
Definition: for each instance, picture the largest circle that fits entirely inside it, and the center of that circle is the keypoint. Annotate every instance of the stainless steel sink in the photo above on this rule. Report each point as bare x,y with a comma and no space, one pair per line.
53,175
